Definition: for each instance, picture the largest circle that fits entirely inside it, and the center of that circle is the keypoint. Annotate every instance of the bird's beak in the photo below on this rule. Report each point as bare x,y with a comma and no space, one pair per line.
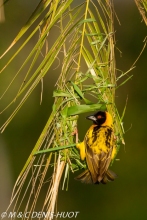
92,118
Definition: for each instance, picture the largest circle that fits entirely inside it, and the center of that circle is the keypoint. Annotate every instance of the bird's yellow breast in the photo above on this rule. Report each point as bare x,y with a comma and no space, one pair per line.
99,139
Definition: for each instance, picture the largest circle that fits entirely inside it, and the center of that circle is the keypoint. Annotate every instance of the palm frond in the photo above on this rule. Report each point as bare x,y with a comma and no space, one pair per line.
142,7
86,41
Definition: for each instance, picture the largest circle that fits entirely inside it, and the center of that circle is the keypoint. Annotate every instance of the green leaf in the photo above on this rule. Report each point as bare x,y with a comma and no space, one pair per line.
64,112
53,149
87,20
79,109
58,93
79,92
77,89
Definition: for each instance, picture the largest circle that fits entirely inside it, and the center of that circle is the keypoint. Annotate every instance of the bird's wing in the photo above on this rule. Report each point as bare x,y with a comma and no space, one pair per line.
98,162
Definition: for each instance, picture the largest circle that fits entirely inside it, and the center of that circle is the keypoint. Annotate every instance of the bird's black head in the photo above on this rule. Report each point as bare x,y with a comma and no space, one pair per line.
98,118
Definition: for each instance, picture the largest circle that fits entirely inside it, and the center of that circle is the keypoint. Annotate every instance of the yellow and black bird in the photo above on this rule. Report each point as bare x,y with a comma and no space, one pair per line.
99,149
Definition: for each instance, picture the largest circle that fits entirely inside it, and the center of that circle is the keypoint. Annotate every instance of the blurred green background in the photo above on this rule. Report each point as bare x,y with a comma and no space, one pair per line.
125,198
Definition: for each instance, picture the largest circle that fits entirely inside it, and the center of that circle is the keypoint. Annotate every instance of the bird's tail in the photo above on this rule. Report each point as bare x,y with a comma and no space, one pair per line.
109,176
85,177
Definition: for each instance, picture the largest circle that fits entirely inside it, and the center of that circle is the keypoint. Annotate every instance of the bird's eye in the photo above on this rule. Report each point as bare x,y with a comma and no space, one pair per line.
99,116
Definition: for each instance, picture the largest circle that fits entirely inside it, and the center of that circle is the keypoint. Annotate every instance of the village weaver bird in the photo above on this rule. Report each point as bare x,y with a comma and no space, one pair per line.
99,149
